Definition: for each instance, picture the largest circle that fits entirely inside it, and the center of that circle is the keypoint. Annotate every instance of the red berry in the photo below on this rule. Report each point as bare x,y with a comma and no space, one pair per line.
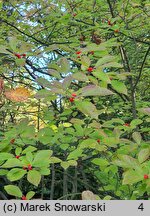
92,52
24,198
12,141
78,56
90,69
146,176
18,55
116,30
78,52
29,167
71,99
74,14
127,124
98,140
74,95
109,23
17,156
24,55
25,168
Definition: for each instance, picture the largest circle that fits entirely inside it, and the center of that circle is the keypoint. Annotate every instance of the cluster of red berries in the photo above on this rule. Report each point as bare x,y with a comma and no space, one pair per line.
78,54
20,56
71,99
29,167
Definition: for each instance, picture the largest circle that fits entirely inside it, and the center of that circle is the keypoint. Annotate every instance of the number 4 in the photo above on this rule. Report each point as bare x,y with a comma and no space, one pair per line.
141,207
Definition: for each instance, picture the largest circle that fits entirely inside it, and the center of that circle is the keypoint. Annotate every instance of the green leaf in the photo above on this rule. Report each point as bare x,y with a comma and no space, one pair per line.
80,77
104,60
13,162
34,177
144,155
119,86
15,174
75,154
64,65
55,160
5,156
30,194
44,171
20,62
29,149
87,108
145,110
131,176
85,61
3,172
137,137
93,90
111,141
54,73
18,151
42,158
136,122
13,190
66,164
100,162
29,157
127,162
88,143
102,76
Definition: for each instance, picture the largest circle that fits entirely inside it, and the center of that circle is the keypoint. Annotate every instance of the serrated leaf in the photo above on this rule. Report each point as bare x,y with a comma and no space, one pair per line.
144,155
34,177
93,90
13,190
119,86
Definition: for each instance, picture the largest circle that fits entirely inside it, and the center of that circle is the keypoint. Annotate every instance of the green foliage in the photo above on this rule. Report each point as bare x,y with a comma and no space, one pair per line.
83,130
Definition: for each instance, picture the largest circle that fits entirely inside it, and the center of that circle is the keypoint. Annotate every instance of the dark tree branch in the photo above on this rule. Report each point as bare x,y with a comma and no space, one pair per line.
141,69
